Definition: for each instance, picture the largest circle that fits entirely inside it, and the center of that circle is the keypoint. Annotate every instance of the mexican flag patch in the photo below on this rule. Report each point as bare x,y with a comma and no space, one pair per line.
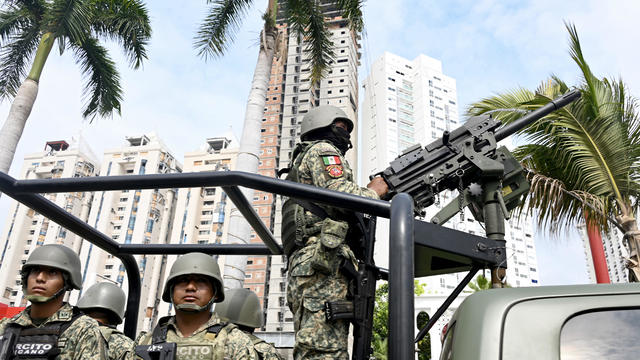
331,160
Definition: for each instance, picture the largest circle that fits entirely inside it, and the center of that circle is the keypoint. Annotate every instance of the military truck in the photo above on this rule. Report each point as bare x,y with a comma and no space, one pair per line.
549,322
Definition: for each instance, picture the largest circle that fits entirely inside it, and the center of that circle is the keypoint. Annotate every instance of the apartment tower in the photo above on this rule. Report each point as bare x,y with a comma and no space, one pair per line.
615,252
25,229
290,95
412,101
132,216
201,213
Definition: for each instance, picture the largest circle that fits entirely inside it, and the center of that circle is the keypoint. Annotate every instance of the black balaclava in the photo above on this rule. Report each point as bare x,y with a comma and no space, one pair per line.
338,136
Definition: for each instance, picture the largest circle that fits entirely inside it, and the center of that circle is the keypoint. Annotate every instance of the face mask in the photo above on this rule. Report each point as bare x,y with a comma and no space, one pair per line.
341,139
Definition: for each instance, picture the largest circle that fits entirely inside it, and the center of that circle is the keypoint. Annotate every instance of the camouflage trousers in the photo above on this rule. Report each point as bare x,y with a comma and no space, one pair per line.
307,291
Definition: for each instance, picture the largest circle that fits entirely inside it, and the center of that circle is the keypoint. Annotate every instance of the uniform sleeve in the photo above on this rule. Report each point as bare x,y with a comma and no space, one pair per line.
325,167
87,342
240,347
143,339
3,324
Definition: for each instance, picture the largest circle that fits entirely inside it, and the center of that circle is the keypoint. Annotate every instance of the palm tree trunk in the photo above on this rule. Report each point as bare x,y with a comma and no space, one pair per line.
248,157
631,233
22,104
597,253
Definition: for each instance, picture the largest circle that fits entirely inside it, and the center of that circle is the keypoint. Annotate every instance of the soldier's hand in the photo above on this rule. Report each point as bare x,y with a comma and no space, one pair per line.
379,186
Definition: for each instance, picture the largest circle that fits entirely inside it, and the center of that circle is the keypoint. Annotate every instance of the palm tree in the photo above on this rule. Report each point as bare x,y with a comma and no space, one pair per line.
28,31
215,34
583,159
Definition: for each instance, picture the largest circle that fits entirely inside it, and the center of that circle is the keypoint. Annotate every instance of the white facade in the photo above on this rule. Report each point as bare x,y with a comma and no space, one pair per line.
200,213
412,101
25,229
615,253
132,216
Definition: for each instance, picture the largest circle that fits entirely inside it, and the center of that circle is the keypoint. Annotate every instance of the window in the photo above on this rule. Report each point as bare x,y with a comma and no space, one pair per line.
580,339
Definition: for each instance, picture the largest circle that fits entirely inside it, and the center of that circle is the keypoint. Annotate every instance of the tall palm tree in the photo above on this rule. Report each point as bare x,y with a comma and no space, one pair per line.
583,159
28,31
216,33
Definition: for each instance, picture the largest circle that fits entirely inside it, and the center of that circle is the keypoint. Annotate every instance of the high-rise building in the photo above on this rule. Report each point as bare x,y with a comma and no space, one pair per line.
615,253
290,95
201,213
25,229
132,216
412,101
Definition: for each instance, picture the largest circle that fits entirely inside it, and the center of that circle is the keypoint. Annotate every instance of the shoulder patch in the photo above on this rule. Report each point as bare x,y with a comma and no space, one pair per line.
335,171
331,160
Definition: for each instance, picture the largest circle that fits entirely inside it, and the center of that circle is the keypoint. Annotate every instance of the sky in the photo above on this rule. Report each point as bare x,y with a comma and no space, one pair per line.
487,46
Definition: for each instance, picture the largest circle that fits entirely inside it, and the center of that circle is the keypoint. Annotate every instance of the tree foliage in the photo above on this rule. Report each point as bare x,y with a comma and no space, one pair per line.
29,29
306,18
583,158
381,316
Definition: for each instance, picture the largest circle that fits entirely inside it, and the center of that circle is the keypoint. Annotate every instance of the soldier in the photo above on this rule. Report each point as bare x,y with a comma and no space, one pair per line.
315,237
242,307
50,328
194,284
105,302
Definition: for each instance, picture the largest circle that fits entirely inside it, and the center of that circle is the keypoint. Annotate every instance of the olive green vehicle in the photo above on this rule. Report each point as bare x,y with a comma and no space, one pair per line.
549,322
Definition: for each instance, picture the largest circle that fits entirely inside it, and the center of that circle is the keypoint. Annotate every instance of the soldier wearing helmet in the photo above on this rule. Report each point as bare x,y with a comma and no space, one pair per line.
242,307
50,328
315,237
194,284
105,302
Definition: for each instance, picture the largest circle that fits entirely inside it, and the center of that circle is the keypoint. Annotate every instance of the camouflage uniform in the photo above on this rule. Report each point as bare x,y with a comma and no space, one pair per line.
314,275
229,343
120,346
82,339
265,350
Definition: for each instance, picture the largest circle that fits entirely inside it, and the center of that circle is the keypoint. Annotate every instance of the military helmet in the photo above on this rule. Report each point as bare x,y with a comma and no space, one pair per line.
59,257
105,296
194,263
322,116
241,307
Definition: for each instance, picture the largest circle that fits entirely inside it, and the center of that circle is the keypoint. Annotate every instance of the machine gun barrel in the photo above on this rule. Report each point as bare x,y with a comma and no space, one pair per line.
532,116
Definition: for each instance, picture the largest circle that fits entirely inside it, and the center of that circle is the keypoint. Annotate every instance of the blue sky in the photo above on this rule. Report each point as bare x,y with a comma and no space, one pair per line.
488,46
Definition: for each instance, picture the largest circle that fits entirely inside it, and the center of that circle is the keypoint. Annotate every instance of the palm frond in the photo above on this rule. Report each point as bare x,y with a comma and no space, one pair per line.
352,10
68,20
306,18
124,21
102,88
15,58
218,29
17,18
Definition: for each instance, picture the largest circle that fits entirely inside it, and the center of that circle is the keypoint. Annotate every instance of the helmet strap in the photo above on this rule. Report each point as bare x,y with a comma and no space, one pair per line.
39,299
193,308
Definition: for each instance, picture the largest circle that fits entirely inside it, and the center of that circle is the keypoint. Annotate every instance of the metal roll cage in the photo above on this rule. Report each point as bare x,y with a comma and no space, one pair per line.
409,238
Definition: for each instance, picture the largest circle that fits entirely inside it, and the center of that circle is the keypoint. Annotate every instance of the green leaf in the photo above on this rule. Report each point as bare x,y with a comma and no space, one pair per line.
102,88
220,26
126,22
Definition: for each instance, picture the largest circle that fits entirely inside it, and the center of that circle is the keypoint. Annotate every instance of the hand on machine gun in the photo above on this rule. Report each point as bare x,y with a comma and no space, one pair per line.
378,185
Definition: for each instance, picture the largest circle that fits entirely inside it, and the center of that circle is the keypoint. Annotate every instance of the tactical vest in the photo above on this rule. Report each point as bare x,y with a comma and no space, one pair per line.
36,343
159,342
296,229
